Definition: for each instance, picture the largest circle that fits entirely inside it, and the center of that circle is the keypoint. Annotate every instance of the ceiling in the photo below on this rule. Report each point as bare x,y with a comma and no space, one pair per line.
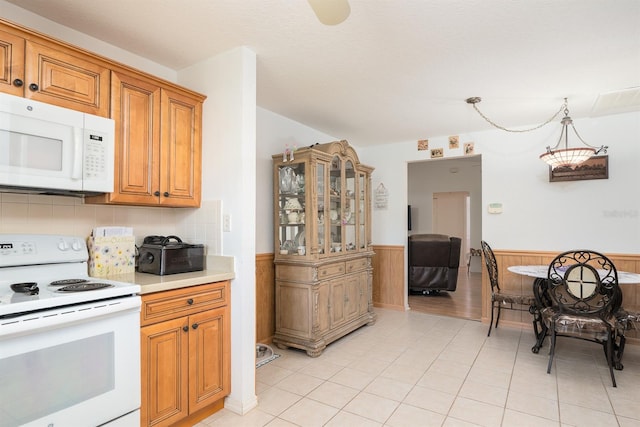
394,71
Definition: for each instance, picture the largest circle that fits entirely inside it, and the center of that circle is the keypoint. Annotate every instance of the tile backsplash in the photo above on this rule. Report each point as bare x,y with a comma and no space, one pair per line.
40,214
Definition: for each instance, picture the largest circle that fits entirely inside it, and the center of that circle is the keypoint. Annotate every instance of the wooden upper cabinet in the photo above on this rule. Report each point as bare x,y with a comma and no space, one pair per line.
135,106
181,150
158,144
53,74
11,63
57,77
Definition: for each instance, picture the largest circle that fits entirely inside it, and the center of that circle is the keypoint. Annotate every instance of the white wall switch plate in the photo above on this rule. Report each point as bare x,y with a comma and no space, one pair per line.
226,223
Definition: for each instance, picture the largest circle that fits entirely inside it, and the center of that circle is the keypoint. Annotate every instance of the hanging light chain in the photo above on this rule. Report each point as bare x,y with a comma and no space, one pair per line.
601,149
475,100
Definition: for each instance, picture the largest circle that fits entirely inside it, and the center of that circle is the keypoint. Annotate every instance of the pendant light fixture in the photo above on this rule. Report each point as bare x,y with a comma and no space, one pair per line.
563,156
559,155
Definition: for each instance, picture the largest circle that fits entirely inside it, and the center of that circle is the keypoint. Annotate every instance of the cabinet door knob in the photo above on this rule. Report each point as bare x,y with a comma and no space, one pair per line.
18,83
194,326
33,87
156,193
185,328
190,301
166,194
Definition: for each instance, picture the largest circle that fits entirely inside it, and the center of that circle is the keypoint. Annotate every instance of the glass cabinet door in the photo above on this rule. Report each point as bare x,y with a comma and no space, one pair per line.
291,209
321,169
335,205
349,211
362,211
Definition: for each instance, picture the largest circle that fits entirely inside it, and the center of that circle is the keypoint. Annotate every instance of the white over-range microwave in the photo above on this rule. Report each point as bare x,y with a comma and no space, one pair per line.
50,149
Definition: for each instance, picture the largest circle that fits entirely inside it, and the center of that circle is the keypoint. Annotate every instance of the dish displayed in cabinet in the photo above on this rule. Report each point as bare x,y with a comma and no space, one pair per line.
288,180
300,239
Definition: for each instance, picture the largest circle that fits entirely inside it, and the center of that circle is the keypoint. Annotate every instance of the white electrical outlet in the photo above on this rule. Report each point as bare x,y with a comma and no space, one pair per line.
226,223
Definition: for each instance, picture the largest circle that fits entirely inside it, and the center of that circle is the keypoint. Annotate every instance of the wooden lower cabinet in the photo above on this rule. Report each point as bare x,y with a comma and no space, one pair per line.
185,354
318,303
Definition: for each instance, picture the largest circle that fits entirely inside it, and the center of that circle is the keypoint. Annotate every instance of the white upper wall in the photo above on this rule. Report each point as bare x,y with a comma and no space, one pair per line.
538,215
13,13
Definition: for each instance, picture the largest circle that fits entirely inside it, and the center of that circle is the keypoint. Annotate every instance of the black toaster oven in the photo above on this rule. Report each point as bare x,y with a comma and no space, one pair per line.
169,255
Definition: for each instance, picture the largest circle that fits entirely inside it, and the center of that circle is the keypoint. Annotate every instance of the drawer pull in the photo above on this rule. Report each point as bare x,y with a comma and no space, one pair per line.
185,328
190,301
194,326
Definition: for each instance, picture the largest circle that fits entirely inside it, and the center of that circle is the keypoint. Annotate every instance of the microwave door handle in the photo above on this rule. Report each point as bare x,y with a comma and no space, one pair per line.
76,171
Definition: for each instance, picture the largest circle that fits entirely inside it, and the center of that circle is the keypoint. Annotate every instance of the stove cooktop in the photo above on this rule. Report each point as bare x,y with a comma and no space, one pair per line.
40,260
51,296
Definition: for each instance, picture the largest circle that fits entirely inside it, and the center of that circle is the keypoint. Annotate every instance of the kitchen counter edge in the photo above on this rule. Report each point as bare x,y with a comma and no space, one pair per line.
219,268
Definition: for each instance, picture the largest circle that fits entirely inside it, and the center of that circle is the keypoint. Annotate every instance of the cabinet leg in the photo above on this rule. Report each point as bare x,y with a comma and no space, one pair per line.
282,346
315,353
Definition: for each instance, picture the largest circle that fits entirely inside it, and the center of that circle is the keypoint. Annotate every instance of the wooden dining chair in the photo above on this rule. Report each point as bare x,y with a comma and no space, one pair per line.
583,286
499,299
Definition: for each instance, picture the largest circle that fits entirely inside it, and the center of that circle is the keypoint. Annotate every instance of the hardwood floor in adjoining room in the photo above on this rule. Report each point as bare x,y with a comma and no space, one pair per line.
465,302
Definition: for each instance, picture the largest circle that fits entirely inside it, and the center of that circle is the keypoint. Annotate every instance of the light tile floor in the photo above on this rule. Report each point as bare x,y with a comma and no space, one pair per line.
415,369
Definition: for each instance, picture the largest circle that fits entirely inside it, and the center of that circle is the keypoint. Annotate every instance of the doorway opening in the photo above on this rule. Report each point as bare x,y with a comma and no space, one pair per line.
445,196
451,213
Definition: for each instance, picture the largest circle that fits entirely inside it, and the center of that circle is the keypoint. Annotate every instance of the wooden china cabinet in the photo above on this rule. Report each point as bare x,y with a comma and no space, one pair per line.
322,236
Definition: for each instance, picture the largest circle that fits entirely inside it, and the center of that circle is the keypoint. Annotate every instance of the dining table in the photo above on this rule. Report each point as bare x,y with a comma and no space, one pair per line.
540,274
541,271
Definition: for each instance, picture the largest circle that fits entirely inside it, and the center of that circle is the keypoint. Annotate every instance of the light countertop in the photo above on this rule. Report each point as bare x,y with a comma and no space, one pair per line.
218,268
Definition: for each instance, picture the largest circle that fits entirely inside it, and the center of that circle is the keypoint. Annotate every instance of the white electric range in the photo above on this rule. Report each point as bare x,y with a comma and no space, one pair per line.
66,332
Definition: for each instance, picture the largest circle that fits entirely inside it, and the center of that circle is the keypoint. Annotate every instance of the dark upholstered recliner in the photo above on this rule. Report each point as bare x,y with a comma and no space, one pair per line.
433,262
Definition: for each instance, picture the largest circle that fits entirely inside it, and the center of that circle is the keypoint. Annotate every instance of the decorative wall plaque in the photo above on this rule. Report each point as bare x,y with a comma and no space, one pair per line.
597,167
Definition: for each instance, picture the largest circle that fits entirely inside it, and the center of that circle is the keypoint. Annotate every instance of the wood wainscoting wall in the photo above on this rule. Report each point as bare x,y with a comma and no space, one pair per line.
517,283
265,298
389,289
388,277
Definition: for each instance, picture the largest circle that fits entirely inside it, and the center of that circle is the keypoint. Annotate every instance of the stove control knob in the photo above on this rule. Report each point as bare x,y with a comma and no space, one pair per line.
76,245
63,245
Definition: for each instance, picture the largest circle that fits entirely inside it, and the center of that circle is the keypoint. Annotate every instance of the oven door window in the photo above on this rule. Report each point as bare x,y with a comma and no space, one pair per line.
66,374
85,373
